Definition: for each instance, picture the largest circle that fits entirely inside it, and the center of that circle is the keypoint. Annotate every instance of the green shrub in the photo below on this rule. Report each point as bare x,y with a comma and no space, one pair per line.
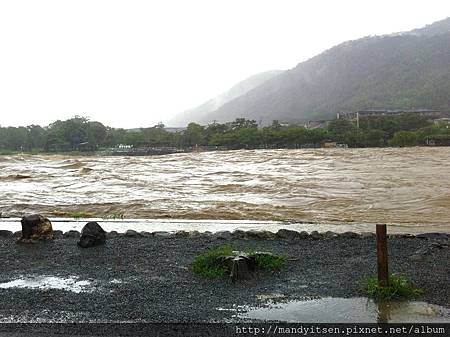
399,288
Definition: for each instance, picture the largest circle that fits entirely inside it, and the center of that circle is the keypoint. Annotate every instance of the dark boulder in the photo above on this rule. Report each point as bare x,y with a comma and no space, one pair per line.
58,234
131,234
195,234
5,234
349,235
181,234
35,227
92,235
303,235
288,234
315,235
239,234
330,235
161,234
222,235
112,234
72,234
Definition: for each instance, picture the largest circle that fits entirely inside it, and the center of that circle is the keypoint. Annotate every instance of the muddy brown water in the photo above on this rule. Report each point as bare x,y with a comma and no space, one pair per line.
407,187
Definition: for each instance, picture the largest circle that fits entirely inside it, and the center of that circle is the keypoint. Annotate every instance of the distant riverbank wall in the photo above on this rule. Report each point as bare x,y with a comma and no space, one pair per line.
158,150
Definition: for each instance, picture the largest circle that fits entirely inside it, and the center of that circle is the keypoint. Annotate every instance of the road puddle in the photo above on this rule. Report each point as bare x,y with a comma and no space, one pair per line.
71,283
344,310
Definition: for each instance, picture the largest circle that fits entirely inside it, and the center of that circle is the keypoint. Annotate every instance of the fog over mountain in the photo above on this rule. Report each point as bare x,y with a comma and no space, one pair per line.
201,113
402,70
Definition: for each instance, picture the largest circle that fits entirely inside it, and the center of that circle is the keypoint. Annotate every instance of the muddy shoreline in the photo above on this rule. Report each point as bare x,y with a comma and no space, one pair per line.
146,278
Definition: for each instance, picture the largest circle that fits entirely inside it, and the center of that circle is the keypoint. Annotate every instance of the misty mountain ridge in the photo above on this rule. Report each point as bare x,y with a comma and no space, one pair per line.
200,113
400,70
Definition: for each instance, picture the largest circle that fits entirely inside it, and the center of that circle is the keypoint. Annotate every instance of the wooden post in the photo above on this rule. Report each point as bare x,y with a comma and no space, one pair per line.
384,313
382,256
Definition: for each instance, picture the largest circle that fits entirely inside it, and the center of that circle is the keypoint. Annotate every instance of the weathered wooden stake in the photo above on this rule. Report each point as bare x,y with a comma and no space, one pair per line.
382,256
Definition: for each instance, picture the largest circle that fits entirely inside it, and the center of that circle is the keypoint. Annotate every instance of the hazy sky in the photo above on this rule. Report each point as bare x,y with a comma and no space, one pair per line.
134,63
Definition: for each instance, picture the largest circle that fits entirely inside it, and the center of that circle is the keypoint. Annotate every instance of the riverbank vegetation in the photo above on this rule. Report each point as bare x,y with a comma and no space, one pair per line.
80,135
399,287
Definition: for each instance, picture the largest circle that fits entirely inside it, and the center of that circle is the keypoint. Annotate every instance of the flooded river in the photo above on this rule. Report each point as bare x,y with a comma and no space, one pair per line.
406,187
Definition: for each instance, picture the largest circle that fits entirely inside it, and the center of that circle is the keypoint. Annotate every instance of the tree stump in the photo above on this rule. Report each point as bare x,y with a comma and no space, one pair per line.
240,265
35,227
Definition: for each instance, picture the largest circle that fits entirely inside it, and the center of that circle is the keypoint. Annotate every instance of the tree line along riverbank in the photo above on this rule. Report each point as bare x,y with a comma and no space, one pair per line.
81,135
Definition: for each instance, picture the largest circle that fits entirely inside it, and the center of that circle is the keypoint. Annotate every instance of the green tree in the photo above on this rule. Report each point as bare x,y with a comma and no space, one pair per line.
404,138
194,135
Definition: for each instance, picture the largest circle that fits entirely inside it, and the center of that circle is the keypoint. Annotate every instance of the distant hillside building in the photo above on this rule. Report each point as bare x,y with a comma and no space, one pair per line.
320,124
377,112
175,129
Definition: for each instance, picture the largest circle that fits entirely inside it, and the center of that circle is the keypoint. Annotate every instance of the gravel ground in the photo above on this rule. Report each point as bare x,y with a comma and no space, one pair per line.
148,279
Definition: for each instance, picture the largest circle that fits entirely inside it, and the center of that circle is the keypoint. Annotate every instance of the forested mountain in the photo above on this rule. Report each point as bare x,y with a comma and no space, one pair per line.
200,113
438,27
405,70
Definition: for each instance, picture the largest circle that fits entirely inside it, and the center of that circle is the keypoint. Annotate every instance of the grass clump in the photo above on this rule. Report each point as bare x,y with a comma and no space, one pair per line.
209,265
269,262
116,215
399,288
79,214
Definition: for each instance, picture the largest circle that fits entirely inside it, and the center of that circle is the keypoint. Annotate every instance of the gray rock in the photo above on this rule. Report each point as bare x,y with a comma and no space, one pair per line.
92,235
303,235
315,235
71,234
58,234
288,234
146,234
181,234
253,234
260,235
268,235
5,234
17,234
112,234
239,234
222,235
330,235
194,234
161,234
131,234
367,235
206,235
349,235
433,236
408,236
